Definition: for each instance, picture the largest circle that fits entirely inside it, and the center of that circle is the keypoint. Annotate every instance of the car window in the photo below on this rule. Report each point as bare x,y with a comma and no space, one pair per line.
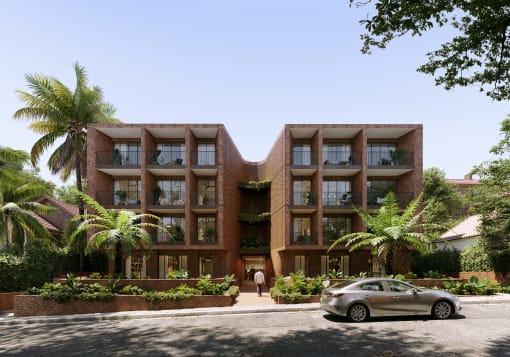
398,286
372,286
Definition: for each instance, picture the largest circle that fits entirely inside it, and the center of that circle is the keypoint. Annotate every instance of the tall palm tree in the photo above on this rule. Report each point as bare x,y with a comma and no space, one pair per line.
115,232
389,232
17,215
57,112
11,162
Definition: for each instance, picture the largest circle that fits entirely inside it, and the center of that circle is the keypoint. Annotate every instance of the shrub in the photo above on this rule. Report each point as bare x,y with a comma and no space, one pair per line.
442,261
177,274
131,290
296,288
95,275
476,258
472,287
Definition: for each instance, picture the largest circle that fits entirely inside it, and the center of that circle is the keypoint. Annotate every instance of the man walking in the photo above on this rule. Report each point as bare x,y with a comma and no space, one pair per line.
259,280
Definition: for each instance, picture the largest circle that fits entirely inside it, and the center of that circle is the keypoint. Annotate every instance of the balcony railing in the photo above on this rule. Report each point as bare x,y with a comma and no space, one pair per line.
391,158
169,158
204,237
168,198
176,238
303,198
203,158
335,199
303,238
304,159
204,199
118,198
118,158
376,199
330,236
338,160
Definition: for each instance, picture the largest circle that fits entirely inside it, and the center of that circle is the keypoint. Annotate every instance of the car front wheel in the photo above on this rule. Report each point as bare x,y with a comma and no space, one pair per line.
442,310
358,313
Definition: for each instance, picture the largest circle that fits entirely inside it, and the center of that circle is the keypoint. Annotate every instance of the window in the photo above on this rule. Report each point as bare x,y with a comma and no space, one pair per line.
206,265
302,231
301,263
336,263
373,286
127,153
126,192
397,286
206,229
136,266
336,193
335,227
173,192
301,154
175,225
380,154
171,153
171,263
378,189
301,193
337,154
206,192
207,154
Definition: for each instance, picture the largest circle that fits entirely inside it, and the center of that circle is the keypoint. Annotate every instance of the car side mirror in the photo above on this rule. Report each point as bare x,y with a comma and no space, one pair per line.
414,290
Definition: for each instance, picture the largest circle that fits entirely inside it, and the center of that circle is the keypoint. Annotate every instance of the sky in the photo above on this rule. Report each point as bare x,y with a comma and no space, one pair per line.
253,66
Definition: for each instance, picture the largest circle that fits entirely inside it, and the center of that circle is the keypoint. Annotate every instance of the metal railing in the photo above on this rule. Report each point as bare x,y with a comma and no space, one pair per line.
172,158
167,198
118,158
204,237
304,159
341,199
303,238
205,199
203,158
118,198
303,198
376,199
390,158
335,159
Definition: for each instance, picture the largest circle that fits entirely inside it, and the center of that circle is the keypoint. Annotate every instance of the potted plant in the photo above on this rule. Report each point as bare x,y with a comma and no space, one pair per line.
121,196
205,200
117,157
396,156
178,162
209,235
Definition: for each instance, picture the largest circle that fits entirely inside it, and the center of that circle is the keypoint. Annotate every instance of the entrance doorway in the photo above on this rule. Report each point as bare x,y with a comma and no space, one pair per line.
252,263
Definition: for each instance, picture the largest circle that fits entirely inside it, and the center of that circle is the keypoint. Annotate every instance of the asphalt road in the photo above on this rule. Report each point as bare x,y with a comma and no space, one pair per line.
480,330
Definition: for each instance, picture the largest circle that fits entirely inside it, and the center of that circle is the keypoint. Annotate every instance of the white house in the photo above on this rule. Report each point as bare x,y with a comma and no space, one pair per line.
462,235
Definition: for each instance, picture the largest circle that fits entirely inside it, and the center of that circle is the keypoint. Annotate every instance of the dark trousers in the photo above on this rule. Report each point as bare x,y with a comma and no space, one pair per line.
259,289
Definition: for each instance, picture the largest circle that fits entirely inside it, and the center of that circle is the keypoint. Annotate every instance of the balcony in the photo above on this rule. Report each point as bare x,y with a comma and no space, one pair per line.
392,163
119,163
204,201
177,238
203,163
303,163
303,238
332,201
303,201
169,163
376,199
119,199
209,236
167,201
345,164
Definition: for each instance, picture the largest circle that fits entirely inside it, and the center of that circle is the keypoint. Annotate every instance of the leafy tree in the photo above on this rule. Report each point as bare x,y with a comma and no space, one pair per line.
389,232
444,200
11,163
478,52
115,232
67,193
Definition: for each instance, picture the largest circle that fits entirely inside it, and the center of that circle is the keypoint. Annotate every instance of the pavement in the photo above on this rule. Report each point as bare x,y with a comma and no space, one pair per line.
246,303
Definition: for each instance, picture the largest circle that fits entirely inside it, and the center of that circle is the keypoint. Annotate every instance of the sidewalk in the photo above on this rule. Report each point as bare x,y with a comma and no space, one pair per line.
247,303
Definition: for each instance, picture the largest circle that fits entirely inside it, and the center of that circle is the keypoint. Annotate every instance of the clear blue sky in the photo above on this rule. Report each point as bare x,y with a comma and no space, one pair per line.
250,65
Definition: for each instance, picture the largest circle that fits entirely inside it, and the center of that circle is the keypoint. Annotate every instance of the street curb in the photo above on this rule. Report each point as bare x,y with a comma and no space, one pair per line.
231,310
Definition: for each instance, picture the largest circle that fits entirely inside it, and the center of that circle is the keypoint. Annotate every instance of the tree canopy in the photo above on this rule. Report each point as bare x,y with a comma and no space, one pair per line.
478,52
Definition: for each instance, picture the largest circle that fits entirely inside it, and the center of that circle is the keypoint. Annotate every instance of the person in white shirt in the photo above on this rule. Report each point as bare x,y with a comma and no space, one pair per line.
259,280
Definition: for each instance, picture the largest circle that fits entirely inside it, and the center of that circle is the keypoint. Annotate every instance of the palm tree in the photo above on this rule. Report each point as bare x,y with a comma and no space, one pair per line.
17,215
115,231
11,162
389,232
57,112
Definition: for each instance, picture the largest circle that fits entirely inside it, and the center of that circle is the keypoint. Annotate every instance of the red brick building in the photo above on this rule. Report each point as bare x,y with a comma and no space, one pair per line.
230,216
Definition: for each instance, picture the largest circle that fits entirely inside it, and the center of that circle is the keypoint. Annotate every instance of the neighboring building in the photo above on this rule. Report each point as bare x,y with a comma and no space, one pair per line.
461,236
56,221
465,184
225,216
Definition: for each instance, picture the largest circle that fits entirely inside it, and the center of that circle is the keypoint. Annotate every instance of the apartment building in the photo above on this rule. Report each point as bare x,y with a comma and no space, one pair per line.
230,216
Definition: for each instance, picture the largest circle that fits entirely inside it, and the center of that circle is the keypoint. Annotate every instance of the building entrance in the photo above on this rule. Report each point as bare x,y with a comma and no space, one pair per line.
252,263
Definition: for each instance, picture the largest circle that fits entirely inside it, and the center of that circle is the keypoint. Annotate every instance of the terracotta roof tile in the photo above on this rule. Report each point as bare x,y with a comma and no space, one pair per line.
71,209
465,229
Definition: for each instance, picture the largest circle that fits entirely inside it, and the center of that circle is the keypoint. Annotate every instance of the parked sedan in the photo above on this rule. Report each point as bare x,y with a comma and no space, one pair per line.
360,299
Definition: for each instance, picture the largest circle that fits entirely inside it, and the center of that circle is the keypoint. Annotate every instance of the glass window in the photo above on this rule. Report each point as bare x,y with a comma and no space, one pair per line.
126,192
337,154
206,229
336,263
302,192
301,263
398,286
335,227
128,153
171,153
336,193
170,263
301,154
380,154
206,154
136,265
206,192
206,265
378,189
302,231
175,225
173,192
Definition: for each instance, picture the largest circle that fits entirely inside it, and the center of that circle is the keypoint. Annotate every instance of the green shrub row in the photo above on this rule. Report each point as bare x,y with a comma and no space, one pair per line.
72,288
296,288
472,287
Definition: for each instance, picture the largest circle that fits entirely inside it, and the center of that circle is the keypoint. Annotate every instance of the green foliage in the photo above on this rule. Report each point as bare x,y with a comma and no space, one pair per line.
476,258
255,185
178,274
444,261
67,193
95,275
296,288
207,287
131,290
432,274
335,274
477,55
410,275
175,294
13,276
472,287
253,218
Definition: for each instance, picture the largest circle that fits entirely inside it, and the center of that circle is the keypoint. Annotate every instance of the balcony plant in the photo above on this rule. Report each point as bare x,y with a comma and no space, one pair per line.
117,157
121,196
396,156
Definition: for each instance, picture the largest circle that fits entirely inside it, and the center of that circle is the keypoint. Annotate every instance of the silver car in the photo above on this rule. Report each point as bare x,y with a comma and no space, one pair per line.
360,299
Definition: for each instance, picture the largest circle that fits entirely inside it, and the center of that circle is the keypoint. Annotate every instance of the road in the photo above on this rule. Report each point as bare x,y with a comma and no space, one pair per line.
480,330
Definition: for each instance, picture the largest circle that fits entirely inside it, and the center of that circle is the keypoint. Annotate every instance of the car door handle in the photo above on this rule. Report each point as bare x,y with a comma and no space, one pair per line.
396,297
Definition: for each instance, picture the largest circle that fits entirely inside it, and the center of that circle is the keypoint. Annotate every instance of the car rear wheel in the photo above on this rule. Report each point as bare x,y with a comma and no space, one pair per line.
442,310
358,313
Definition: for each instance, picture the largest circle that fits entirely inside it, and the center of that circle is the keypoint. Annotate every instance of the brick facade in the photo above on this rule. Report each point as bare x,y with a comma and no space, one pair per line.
304,155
